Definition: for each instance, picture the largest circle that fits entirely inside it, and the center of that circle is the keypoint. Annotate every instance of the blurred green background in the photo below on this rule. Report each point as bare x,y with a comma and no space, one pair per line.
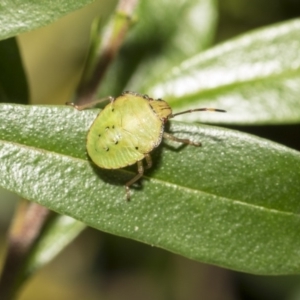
101,266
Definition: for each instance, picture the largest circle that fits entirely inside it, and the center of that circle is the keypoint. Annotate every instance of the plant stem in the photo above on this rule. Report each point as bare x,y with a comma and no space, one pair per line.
25,228
113,39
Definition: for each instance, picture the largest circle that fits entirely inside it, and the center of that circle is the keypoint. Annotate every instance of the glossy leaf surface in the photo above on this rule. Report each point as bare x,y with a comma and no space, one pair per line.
255,77
233,202
20,16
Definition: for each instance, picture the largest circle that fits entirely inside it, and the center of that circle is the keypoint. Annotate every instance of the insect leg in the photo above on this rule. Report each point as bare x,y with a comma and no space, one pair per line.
149,161
134,179
90,104
176,139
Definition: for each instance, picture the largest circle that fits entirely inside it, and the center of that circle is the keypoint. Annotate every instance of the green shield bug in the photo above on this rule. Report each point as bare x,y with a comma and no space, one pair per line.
128,129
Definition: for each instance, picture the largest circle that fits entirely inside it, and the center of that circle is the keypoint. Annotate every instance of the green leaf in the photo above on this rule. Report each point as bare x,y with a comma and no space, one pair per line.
165,33
19,16
59,232
255,77
13,83
233,202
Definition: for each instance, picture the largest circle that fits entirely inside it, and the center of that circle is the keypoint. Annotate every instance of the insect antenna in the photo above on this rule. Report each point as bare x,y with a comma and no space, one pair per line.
197,109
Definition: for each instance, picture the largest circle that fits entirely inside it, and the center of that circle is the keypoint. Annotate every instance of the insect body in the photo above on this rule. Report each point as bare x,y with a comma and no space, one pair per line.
128,129
125,131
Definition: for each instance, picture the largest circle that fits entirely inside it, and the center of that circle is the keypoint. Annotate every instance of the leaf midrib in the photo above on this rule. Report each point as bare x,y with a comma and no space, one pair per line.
188,189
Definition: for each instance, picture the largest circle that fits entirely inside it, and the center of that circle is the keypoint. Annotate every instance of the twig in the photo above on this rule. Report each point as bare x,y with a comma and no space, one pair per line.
113,39
25,228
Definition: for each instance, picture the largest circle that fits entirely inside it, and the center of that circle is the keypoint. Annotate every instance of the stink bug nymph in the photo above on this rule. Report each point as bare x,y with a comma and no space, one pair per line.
128,129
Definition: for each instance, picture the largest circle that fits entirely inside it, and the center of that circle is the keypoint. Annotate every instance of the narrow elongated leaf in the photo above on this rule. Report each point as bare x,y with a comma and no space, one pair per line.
232,202
255,77
59,232
20,16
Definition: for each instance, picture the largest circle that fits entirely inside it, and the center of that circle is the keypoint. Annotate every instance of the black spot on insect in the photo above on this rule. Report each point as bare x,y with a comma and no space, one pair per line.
106,149
113,127
136,148
116,142
106,127
99,135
